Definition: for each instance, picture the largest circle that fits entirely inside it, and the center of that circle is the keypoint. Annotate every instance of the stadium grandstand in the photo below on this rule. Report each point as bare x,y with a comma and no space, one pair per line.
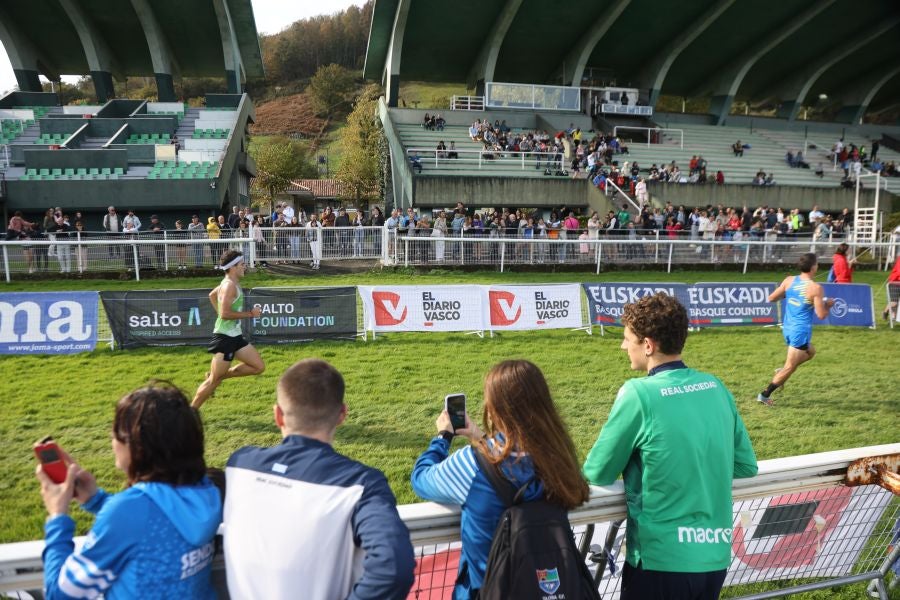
598,72
154,156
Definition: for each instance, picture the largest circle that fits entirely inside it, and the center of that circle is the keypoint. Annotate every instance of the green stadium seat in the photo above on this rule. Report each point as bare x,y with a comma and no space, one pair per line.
31,171
69,172
177,175
159,164
106,171
44,172
152,175
82,172
25,178
56,172
118,171
93,171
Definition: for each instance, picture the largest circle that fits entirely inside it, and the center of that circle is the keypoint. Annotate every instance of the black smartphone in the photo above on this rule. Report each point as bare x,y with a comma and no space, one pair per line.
455,404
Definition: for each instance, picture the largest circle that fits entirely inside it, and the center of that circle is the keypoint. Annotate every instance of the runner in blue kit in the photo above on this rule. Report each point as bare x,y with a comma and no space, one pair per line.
803,297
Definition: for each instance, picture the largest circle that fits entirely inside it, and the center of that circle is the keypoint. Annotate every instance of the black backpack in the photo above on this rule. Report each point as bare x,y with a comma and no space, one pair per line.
533,555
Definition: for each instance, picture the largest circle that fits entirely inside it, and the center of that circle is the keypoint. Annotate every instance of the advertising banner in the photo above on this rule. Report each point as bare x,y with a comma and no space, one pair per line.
607,300
852,305
730,304
160,317
297,315
48,322
519,307
423,307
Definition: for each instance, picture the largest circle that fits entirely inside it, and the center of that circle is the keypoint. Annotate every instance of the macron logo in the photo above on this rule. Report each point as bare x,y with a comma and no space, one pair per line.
506,308
388,310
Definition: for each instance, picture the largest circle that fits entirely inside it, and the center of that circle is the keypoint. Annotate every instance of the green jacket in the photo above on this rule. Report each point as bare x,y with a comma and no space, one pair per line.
678,441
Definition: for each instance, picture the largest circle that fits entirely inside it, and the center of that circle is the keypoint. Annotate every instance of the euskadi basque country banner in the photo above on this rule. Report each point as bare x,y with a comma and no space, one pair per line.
731,304
159,317
48,322
423,307
297,315
606,301
534,306
852,305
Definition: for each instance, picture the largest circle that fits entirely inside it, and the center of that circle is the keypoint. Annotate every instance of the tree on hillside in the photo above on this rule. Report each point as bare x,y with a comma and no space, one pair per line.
279,160
363,147
330,89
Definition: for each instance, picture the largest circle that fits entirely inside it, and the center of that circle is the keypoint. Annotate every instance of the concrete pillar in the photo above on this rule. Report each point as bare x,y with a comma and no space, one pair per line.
573,65
26,61
160,53
391,77
486,62
858,95
100,59
231,53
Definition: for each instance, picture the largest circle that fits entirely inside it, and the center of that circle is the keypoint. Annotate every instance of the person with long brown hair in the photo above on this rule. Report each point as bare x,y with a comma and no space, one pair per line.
527,440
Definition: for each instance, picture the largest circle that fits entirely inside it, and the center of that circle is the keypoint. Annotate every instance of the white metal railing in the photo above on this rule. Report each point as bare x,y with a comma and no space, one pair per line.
467,103
419,158
650,131
174,251
620,247
532,97
626,109
4,156
433,527
611,189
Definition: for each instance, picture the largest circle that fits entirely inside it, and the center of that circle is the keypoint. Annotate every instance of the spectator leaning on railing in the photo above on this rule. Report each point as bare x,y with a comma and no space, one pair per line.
303,521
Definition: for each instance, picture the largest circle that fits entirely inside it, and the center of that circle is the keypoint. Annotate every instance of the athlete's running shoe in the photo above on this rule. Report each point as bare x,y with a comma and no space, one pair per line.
764,400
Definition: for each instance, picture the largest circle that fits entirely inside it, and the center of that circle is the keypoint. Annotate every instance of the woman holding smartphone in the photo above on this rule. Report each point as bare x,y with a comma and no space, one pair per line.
525,438
155,539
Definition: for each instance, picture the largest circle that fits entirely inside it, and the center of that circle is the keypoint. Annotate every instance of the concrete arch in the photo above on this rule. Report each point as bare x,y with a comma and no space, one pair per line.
573,65
729,82
859,95
391,77
234,68
795,91
486,62
655,74
100,59
27,63
164,63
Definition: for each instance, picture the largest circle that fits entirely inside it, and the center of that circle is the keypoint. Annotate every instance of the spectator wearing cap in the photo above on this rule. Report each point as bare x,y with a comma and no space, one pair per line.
158,229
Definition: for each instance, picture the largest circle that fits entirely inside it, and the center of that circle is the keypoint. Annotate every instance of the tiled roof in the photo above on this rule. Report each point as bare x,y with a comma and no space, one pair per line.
322,188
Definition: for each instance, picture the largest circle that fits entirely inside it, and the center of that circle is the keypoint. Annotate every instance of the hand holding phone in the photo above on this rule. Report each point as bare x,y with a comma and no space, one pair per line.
51,459
455,405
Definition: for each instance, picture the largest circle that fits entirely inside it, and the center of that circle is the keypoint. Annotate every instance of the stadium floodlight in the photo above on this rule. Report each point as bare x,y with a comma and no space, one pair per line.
823,96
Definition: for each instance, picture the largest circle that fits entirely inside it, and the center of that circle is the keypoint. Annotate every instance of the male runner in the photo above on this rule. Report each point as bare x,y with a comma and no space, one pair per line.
227,342
804,296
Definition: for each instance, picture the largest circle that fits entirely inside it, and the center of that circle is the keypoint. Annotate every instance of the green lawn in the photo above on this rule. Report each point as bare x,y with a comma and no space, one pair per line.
430,95
846,397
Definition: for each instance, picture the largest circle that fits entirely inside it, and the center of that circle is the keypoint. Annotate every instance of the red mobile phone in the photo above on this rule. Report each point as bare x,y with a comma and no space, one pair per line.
50,456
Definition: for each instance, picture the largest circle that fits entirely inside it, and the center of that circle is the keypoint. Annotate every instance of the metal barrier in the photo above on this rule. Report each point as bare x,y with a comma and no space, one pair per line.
174,251
626,109
796,527
419,158
467,103
617,247
651,130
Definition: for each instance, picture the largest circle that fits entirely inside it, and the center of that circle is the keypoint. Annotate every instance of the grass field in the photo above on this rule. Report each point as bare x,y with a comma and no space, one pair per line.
395,385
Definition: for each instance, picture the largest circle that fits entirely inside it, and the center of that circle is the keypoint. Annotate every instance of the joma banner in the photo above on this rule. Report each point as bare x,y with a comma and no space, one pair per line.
730,304
423,307
160,317
606,301
534,306
297,315
48,322
852,305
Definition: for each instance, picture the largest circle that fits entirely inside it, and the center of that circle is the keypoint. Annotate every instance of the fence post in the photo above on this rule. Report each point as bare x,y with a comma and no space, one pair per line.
747,256
669,266
137,262
165,249
406,252
6,263
385,233
599,254
502,254
656,252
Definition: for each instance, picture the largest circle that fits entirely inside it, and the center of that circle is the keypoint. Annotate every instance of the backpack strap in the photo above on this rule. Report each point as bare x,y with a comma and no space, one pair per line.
506,490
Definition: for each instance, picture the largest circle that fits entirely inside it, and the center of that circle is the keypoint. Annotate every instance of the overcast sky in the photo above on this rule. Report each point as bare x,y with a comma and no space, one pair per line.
271,17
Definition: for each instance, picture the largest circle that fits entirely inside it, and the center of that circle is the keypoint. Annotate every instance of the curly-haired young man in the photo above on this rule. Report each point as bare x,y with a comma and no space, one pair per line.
678,441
